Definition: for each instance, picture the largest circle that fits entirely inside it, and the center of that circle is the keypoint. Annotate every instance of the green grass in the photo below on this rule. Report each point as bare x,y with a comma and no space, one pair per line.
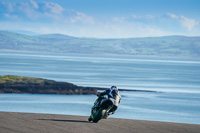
19,79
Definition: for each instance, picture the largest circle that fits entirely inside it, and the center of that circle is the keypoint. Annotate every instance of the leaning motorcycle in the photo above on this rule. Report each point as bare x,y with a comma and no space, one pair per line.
100,109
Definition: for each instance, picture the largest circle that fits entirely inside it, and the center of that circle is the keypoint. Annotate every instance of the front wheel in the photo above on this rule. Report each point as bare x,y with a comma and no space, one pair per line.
89,119
98,115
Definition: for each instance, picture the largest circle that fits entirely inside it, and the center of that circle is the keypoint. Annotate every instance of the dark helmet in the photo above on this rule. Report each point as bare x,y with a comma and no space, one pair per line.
114,87
114,90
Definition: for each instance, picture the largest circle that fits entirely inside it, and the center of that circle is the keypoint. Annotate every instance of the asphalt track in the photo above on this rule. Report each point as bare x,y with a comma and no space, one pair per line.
50,123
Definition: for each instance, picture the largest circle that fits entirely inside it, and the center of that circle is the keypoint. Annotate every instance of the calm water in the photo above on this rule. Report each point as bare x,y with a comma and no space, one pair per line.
177,80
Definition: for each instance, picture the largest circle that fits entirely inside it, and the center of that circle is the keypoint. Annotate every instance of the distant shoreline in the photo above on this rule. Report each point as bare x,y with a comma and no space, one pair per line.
106,54
29,85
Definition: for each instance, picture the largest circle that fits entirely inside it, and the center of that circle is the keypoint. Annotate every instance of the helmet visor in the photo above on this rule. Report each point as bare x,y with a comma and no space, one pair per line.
113,88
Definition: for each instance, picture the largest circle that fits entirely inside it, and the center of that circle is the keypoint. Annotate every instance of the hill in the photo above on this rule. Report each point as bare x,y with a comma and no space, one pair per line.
168,46
18,84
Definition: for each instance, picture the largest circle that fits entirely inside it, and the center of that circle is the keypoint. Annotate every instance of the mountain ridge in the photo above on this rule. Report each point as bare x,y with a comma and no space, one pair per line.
166,46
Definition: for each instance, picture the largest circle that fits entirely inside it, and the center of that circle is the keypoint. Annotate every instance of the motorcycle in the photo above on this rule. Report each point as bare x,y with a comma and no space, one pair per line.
100,109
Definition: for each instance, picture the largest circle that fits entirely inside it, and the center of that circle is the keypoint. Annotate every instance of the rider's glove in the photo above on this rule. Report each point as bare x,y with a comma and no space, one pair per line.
98,94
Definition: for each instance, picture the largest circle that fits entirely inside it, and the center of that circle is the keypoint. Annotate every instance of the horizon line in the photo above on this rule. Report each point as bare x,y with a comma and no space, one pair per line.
40,34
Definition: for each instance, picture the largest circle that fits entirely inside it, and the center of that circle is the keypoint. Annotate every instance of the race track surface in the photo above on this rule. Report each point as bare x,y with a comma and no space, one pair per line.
50,123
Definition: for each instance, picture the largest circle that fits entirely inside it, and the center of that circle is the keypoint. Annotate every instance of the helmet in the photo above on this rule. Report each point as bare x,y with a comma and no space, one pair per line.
114,87
114,90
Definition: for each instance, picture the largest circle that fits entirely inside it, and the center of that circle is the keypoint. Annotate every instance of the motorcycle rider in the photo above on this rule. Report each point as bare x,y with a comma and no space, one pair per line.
113,95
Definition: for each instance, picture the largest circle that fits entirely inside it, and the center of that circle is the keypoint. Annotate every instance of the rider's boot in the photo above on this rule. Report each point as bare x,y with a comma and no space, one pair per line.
106,114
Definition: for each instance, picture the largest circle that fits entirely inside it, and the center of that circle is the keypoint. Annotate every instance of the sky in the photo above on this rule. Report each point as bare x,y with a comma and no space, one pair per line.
102,18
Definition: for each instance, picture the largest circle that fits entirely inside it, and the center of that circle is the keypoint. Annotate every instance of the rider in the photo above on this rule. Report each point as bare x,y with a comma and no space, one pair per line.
114,96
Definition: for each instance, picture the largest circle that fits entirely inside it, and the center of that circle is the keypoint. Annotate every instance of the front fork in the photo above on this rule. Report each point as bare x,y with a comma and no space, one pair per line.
94,108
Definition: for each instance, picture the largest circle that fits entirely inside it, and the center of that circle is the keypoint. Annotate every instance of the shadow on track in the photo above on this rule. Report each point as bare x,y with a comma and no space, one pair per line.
64,120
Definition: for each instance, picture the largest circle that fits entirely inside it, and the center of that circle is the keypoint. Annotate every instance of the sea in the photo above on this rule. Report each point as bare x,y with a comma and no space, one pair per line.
168,88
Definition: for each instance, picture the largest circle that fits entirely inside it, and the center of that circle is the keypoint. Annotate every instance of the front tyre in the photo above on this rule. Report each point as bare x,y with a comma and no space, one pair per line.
98,115
89,119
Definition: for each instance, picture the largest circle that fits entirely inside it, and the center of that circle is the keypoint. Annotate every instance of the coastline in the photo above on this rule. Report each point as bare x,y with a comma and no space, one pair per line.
51,123
30,85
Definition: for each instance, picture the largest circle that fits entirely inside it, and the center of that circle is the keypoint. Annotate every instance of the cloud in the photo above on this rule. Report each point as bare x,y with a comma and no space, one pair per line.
50,17
167,22
82,18
42,11
34,4
53,8
188,23
172,15
146,17
149,25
